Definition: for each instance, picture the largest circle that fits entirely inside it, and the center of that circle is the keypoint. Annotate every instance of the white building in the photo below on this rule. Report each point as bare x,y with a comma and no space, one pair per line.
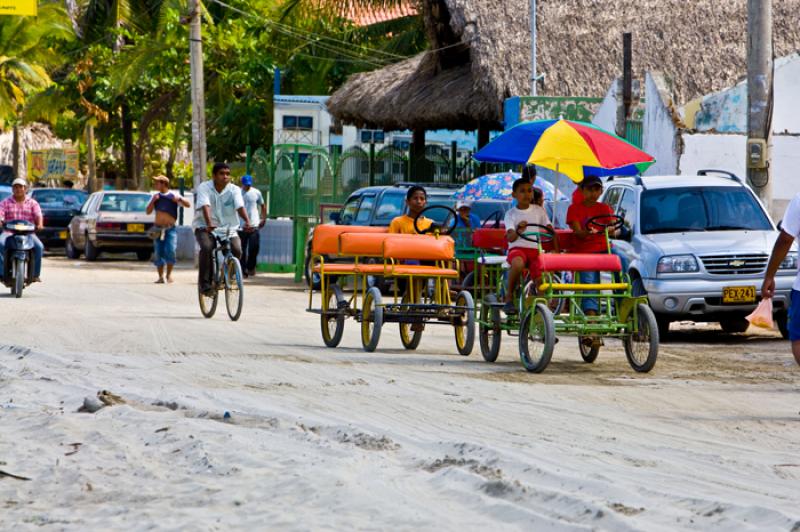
711,131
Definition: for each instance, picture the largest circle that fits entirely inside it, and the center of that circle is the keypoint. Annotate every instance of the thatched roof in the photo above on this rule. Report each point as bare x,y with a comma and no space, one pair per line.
699,44
478,60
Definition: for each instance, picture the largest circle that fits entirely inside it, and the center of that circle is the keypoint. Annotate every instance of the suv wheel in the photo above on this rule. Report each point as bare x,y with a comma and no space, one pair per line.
782,321
734,324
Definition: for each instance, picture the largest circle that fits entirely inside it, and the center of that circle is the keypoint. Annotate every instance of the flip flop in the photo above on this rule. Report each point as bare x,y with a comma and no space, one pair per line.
160,281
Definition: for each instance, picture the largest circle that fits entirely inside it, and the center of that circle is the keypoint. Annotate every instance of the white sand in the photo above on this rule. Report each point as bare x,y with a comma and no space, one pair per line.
336,439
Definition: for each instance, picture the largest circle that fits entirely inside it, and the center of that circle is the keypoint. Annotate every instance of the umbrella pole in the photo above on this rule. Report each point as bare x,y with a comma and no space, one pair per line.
555,198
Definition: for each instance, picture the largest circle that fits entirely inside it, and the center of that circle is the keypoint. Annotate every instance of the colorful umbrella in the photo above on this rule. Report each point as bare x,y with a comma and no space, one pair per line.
498,187
568,147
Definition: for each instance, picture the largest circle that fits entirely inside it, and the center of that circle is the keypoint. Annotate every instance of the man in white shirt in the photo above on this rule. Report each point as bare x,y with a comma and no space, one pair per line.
790,229
218,204
253,203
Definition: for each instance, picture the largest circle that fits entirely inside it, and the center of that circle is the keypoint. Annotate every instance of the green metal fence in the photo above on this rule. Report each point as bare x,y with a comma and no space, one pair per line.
299,181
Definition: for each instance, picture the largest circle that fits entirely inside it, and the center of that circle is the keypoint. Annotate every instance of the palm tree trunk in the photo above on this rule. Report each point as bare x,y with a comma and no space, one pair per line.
90,158
127,141
15,150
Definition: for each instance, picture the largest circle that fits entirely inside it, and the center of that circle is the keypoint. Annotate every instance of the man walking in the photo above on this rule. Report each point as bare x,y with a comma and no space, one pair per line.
790,230
19,206
217,203
253,203
165,203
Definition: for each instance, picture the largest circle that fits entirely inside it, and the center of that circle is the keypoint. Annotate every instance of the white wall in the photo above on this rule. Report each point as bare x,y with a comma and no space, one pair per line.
707,150
660,131
606,115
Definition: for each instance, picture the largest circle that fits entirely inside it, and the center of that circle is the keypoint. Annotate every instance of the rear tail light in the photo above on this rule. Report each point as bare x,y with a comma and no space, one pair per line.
108,225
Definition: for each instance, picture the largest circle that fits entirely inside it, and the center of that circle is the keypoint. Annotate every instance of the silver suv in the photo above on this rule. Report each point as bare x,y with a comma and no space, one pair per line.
698,246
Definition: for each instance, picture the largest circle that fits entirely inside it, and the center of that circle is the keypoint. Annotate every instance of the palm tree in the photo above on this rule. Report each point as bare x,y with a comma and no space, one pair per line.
26,54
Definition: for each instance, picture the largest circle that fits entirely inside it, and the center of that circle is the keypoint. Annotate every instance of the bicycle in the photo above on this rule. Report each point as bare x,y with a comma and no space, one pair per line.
229,278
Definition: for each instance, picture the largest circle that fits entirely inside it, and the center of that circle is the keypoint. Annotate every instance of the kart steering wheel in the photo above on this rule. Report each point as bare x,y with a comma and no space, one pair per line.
446,228
615,224
497,216
547,234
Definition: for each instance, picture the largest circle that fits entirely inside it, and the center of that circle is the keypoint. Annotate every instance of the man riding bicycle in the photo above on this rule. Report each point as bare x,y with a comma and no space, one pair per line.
218,203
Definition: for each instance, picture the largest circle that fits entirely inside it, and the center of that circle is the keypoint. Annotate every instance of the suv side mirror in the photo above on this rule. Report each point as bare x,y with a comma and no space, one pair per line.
625,233
334,217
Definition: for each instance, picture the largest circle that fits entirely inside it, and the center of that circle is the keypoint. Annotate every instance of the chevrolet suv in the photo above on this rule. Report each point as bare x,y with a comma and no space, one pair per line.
698,247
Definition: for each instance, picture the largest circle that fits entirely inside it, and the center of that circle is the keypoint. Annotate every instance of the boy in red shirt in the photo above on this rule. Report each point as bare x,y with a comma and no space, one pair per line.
589,239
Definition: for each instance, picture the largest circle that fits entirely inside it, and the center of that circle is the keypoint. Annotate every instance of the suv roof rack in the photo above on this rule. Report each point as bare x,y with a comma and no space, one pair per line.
429,185
637,179
729,175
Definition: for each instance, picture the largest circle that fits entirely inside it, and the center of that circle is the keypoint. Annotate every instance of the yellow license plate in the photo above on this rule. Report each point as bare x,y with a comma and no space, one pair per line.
62,235
739,294
136,228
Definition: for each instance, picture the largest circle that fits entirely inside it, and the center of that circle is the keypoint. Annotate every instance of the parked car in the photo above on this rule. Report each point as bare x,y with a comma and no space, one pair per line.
379,205
5,192
111,220
698,246
58,205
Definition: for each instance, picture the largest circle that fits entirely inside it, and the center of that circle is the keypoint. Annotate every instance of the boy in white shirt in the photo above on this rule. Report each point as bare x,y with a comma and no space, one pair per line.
522,253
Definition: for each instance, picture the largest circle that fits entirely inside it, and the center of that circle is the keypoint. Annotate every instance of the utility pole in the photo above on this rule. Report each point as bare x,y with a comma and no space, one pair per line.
759,97
624,110
199,156
534,75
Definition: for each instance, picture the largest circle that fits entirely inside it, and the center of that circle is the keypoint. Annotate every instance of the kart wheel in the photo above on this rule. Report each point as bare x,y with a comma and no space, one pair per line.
409,337
313,279
641,347
234,291
371,319
465,324
489,332
537,338
332,321
588,353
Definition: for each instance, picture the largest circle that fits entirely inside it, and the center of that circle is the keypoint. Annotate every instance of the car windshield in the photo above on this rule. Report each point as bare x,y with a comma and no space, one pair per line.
485,208
65,199
391,205
438,215
124,202
4,194
676,210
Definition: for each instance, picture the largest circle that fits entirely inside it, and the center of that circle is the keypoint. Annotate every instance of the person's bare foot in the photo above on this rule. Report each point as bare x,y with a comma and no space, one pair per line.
170,280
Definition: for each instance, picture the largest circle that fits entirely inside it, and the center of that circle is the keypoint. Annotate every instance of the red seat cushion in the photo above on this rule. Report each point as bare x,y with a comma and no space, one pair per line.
486,238
579,262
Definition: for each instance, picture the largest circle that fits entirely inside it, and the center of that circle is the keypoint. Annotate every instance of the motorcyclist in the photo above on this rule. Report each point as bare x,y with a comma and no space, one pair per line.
19,206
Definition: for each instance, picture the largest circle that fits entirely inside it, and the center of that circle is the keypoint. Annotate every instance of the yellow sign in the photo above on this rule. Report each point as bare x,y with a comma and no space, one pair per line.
52,165
20,8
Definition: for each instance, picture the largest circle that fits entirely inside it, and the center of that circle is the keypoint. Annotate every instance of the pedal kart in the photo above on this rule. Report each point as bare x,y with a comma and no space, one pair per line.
621,314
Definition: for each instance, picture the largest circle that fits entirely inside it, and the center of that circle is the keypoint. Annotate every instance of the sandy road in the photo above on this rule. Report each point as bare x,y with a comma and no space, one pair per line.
322,438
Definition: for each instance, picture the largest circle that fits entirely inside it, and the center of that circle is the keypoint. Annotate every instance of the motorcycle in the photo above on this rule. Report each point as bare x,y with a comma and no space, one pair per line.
18,256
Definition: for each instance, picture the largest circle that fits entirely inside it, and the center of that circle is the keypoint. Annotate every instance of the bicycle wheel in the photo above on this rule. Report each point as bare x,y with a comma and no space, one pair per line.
537,338
408,335
208,304
464,325
641,347
332,321
489,332
234,291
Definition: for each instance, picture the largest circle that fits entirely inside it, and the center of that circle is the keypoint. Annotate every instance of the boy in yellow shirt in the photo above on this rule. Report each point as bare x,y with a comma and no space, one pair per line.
416,200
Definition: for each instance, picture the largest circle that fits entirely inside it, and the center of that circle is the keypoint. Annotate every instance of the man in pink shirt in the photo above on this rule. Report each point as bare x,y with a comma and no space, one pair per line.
20,207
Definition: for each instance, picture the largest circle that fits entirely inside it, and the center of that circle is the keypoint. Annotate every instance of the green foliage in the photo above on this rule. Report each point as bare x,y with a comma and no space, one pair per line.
136,52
